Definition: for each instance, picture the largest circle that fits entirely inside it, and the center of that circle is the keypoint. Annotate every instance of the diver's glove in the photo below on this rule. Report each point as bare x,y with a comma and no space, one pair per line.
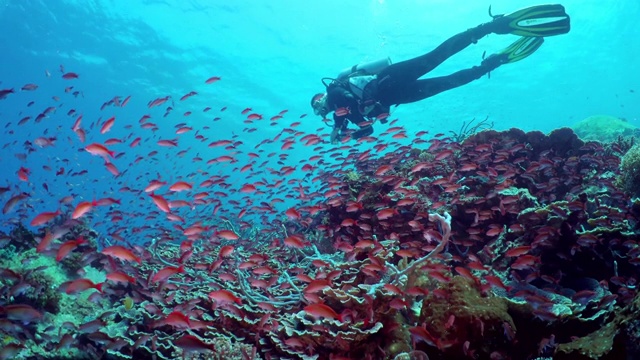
334,136
492,61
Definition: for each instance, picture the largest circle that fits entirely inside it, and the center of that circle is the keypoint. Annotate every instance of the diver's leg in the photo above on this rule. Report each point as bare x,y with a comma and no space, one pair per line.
412,69
420,89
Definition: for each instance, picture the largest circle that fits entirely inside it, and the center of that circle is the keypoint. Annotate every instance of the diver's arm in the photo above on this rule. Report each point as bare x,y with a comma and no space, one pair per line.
345,107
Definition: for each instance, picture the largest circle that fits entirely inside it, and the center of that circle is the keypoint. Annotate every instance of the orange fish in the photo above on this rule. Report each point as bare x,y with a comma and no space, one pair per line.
212,79
121,253
44,217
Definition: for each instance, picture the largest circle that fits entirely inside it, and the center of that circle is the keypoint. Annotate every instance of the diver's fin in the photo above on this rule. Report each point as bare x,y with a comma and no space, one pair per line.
539,20
517,51
521,48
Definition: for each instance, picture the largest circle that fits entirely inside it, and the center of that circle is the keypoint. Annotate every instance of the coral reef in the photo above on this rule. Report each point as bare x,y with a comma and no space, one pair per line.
508,245
604,128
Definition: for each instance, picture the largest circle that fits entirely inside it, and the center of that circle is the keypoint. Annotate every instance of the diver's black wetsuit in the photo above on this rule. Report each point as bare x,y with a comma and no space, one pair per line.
399,83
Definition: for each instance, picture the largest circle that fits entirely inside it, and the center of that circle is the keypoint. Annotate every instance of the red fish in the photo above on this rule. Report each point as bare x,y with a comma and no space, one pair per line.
320,310
180,186
21,312
80,285
294,241
167,272
70,75
44,242
225,251
227,235
248,188
224,297
160,202
23,174
44,217
83,208
121,253
121,277
107,125
158,102
342,111
212,79
68,247
190,343
13,201
293,214
99,149
175,319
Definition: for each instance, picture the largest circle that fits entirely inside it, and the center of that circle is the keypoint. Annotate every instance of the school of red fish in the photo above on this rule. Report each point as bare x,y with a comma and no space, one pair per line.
303,259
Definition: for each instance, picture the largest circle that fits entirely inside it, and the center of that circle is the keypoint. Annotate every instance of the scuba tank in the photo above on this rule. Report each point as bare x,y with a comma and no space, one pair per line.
370,68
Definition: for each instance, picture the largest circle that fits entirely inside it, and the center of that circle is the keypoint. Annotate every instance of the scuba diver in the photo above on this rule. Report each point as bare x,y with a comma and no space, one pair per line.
364,94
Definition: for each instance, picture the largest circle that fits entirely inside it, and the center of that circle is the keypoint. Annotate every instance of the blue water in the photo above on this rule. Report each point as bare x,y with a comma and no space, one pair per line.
270,56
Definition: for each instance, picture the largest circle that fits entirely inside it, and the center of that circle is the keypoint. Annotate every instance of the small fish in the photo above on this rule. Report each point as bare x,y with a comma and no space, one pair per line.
180,186
342,111
83,208
44,217
227,235
5,92
248,188
23,174
80,285
320,310
160,202
99,149
122,253
107,125
68,247
13,201
190,343
294,241
212,79
70,75
165,273
29,87
293,214
224,296
21,312
225,251
120,277
128,303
